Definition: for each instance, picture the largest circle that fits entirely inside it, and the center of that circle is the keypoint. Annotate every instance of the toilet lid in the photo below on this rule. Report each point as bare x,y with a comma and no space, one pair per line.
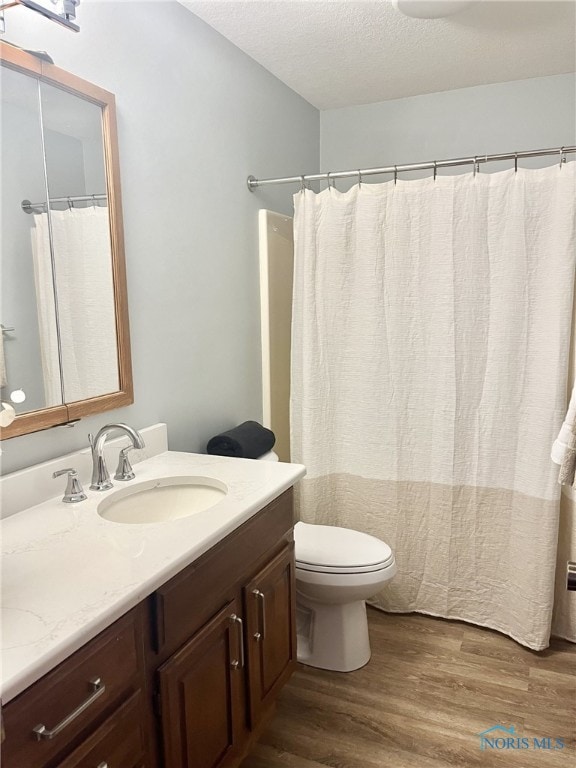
325,547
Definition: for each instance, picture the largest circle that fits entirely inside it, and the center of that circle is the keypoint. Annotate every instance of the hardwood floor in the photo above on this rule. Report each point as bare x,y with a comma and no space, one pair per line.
431,686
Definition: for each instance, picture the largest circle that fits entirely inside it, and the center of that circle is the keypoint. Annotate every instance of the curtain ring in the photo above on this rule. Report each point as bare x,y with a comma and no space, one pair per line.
562,157
333,184
302,184
359,179
435,170
395,174
94,202
70,204
515,162
475,165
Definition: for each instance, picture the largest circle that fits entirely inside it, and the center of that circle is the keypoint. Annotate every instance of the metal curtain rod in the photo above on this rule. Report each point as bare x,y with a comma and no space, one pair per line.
395,169
29,207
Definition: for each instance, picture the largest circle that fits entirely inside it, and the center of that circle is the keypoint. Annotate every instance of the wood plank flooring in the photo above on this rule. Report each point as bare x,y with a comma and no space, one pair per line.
430,687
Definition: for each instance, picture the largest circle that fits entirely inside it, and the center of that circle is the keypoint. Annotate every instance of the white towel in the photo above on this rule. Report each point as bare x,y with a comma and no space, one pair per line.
568,467
564,439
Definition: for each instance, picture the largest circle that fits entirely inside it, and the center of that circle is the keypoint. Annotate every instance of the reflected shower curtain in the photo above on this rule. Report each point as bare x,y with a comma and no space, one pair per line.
431,332
86,312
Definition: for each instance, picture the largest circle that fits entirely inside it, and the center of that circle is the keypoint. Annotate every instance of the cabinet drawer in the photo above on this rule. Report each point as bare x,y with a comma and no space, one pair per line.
118,743
112,658
190,599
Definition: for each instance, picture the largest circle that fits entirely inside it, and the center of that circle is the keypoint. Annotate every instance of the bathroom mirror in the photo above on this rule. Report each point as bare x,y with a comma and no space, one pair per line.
65,336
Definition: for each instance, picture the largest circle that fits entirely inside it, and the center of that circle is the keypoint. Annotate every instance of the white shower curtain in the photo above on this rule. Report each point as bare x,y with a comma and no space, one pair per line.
86,312
431,331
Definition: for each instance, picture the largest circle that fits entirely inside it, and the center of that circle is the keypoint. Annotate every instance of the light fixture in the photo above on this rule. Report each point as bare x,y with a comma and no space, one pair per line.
65,10
430,9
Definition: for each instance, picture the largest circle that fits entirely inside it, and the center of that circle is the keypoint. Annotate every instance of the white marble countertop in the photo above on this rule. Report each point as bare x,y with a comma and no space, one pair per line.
67,573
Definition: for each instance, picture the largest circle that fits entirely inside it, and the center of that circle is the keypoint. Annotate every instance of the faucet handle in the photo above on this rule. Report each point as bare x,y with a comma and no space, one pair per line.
124,469
74,491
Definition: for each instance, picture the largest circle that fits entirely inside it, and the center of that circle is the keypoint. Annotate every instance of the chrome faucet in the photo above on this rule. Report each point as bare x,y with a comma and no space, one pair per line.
100,475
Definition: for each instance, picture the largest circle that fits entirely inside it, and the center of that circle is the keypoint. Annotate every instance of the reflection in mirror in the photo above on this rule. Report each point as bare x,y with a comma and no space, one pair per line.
66,346
74,230
22,352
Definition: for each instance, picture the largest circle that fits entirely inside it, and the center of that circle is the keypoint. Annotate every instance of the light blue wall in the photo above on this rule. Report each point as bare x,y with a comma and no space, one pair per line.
521,115
196,116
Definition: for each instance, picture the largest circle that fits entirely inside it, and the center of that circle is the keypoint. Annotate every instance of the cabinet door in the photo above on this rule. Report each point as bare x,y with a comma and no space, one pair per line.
271,630
201,695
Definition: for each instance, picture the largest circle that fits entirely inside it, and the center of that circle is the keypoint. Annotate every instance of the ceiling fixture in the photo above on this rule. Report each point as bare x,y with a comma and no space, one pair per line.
430,9
64,12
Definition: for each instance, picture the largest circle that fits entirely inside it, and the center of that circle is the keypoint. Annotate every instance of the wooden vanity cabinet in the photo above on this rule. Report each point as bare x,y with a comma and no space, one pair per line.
90,704
187,679
225,643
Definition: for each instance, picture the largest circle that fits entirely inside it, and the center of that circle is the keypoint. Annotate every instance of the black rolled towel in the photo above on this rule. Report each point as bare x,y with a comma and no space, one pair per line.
249,440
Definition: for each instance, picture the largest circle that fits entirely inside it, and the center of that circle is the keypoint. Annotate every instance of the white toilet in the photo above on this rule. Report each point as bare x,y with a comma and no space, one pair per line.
337,570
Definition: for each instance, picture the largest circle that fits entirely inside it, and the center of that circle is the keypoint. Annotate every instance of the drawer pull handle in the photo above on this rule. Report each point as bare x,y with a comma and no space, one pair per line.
102,765
237,620
41,732
262,598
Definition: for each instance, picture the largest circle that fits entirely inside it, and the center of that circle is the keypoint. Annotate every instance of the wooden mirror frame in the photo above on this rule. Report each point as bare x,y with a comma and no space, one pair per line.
44,418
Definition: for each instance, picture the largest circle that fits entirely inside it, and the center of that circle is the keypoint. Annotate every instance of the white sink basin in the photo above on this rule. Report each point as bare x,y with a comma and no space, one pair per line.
162,500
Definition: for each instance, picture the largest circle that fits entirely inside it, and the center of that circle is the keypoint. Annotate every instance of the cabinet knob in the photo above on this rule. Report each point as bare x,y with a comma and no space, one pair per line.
102,765
257,637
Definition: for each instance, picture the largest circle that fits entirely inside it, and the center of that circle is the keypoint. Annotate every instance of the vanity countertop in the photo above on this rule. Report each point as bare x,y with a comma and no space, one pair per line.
67,573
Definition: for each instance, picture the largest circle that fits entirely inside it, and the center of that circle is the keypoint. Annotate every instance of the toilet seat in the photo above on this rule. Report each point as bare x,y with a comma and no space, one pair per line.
328,549
313,568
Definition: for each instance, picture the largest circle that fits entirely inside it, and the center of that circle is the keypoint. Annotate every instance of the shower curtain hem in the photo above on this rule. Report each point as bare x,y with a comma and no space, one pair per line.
567,638
486,625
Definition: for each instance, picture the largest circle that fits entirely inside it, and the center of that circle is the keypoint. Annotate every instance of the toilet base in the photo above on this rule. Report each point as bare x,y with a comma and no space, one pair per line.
333,636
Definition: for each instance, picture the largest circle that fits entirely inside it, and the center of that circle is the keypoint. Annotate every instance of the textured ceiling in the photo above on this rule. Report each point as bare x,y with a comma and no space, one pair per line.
347,52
